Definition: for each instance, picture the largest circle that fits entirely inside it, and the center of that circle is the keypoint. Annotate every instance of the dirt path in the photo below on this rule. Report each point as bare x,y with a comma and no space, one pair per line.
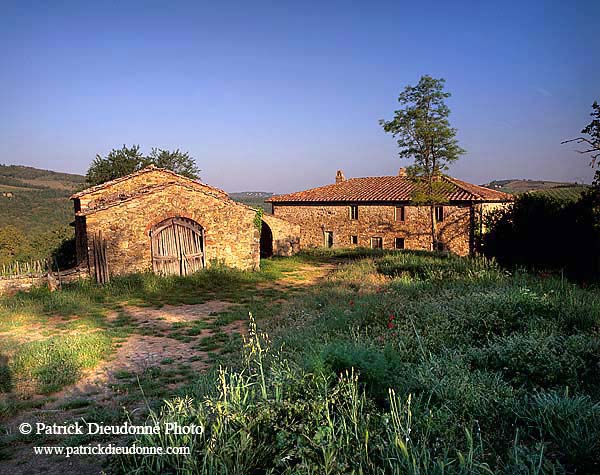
168,347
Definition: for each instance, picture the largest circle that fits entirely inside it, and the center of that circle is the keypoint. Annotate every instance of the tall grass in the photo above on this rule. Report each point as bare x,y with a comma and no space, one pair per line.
406,363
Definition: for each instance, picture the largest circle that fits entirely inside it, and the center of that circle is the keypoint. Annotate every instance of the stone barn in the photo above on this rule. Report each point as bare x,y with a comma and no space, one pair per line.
157,220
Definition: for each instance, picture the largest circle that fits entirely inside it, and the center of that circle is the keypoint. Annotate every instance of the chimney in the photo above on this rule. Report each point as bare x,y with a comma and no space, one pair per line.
402,172
339,176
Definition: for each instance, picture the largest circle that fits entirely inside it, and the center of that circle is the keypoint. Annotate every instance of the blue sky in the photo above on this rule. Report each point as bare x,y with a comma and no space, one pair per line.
277,96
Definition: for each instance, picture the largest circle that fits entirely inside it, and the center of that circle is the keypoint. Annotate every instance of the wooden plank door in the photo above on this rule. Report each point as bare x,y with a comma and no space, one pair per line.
177,247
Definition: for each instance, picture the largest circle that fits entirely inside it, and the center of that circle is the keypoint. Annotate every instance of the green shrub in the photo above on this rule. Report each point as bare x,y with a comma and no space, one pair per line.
570,425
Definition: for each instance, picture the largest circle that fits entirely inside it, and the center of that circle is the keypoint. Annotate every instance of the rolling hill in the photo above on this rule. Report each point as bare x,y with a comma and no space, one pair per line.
564,191
518,185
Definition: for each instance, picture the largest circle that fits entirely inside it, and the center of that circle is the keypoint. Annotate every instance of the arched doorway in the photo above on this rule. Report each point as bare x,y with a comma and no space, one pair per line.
177,247
266,241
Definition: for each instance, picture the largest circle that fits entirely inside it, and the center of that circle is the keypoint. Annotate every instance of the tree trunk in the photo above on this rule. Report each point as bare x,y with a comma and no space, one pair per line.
433,228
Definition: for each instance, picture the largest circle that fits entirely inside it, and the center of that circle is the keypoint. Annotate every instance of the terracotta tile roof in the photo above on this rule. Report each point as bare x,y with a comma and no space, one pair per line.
147,169
385,189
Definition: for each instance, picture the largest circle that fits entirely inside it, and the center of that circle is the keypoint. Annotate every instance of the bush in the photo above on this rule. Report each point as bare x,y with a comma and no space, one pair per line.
525,235
570,425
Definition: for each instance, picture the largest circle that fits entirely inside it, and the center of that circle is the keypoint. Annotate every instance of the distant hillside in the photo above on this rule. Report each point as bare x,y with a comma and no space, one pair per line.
516,186
256,199
35,211
35,200
35,178
563,193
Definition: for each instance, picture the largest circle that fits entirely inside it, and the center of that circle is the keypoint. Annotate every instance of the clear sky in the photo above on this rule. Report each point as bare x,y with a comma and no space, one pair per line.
276,96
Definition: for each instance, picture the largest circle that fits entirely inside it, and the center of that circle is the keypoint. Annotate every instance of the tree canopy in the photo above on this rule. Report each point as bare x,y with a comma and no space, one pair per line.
126,160
422,130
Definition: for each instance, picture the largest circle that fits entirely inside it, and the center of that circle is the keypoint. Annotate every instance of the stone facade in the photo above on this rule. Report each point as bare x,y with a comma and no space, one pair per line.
380,212
379,221
125,211
285,235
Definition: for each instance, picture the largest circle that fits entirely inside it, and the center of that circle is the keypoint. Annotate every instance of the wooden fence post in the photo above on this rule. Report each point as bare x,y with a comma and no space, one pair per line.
100,263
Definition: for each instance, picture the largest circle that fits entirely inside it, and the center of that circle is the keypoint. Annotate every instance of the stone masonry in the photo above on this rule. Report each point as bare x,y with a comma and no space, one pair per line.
125,211
377,220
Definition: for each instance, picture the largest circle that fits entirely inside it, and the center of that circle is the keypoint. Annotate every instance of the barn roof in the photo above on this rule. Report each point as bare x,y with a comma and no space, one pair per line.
386,189
150,168
108,201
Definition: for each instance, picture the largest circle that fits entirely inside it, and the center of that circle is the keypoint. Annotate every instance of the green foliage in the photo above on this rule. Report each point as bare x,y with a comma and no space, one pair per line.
258,219
118,163
402,362
270,417
423,133
56,362
126,160
422,128
564,193
34,221
177,161
528,234
571,424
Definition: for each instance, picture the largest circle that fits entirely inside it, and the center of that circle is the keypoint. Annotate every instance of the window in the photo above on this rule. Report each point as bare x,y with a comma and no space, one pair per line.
354,240
439,213
353,212
399,216
399,243
328,239
440,246
376,243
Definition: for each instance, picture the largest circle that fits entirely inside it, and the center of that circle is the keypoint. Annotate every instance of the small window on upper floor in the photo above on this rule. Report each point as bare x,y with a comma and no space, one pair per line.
399,213
353,211
439,213
354,240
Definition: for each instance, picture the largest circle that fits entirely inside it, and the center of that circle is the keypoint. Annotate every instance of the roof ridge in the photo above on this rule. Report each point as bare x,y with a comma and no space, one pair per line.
386,188
146,169
147,189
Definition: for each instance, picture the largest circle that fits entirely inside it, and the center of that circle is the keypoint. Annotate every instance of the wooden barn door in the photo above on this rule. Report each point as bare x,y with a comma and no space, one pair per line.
177,247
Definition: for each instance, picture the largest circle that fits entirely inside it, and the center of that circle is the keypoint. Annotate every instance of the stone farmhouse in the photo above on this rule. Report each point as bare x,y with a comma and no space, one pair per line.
157,220
377,212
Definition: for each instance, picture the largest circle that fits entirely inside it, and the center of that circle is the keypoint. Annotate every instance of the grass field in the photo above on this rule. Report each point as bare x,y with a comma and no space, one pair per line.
355,362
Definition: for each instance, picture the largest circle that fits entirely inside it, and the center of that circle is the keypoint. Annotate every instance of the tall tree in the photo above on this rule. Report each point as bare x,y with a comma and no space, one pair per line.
126,160
422,130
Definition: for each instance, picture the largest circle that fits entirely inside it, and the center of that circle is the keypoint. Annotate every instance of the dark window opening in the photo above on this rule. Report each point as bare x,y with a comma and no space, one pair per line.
376,243
328,239
400,213
353,212
354,240
440,246
399,243
439,213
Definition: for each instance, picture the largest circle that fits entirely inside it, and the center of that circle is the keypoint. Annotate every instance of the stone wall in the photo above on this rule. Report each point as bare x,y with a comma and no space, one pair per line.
286,235
231,238
375,220
11,285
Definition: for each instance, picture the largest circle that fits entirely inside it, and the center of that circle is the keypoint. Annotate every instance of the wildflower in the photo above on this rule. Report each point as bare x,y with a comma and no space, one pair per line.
390,325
